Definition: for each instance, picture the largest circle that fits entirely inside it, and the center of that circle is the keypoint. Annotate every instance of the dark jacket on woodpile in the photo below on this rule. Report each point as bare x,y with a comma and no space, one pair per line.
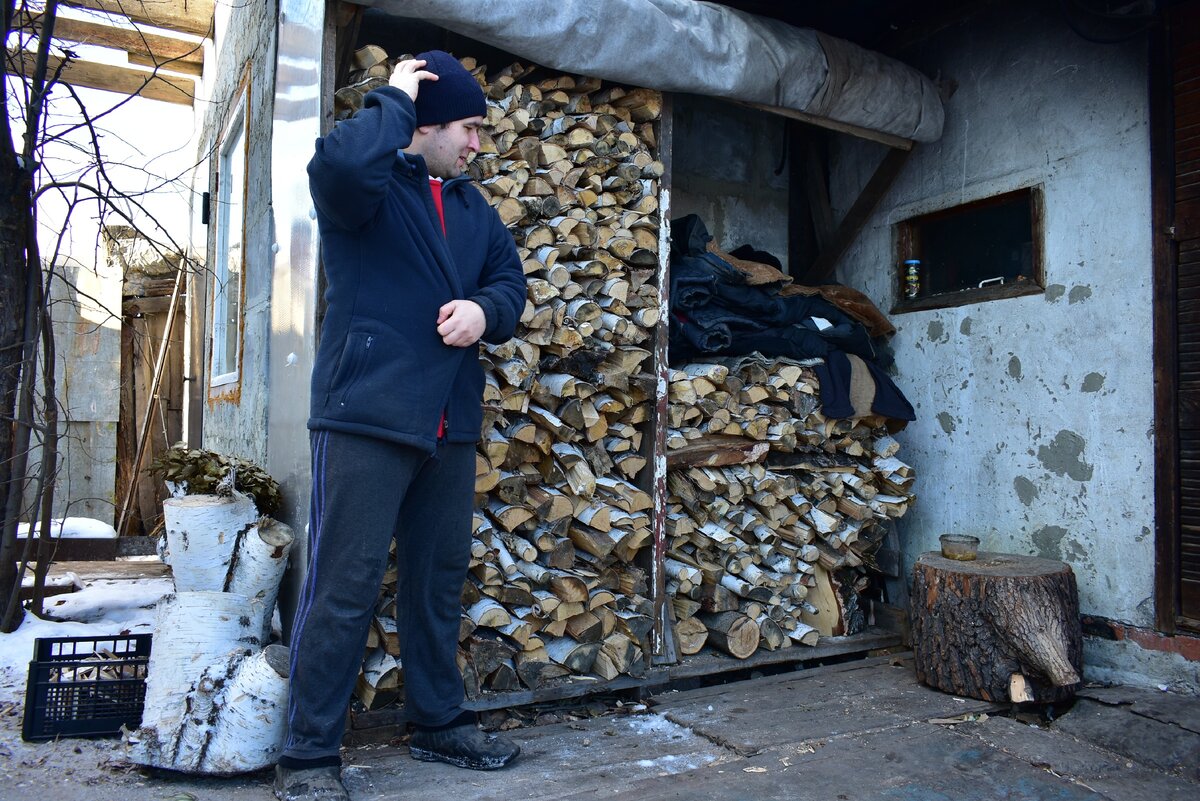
381,369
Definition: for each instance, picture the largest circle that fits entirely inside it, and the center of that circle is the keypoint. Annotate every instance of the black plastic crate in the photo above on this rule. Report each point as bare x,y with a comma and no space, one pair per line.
85,686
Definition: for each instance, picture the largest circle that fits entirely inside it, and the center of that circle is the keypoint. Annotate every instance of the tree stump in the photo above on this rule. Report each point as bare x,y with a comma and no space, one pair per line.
1003,627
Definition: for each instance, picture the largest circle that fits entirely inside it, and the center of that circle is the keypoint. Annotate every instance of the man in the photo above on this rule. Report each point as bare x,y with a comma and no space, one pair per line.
419,269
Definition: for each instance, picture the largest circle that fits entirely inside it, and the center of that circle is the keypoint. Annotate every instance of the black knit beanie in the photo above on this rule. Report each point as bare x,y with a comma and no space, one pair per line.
453,96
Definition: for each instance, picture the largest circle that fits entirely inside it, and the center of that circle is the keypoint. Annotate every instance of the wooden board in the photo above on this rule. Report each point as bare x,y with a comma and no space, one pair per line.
706,663
109,78
186,16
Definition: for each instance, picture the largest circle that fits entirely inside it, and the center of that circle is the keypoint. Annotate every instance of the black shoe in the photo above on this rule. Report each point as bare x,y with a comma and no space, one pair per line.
466,746
310,784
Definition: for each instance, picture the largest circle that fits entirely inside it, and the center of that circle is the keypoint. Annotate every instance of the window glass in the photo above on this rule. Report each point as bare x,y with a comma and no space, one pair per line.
230,256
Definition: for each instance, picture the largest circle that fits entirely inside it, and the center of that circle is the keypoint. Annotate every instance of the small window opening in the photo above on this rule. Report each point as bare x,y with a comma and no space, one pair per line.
985,250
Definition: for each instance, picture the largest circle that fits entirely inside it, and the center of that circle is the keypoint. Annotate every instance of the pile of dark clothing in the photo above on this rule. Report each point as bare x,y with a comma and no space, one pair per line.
737,304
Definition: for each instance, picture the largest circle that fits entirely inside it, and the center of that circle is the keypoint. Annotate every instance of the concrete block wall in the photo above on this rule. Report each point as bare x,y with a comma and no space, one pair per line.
724,159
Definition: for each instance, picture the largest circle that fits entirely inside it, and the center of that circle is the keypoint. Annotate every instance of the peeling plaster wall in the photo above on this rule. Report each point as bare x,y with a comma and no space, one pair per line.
237,424
1034,413
724,159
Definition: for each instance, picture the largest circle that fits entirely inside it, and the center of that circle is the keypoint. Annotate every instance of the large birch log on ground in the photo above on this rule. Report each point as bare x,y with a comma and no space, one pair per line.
193,630
235,722
1003,627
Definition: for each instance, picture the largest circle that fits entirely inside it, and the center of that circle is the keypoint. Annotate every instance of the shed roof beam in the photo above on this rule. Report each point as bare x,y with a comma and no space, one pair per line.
185,16
146,49
111,78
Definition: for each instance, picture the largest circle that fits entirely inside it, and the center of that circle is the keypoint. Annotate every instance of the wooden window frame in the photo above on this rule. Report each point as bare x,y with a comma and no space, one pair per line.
908,246
227,384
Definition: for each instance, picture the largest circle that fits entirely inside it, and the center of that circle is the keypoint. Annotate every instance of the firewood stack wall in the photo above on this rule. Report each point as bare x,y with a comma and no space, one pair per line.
556,585
569,164
775,511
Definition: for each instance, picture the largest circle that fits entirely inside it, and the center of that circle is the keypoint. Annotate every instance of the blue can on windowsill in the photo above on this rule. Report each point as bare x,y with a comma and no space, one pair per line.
912,278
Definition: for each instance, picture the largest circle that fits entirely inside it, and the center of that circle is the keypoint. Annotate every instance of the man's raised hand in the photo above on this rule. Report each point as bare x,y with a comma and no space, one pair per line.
407,76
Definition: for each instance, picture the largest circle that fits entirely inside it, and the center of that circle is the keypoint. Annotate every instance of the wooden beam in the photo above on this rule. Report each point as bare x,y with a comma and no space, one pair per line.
152,48
109,78
816,189
186,16
181,67
864,206
897,142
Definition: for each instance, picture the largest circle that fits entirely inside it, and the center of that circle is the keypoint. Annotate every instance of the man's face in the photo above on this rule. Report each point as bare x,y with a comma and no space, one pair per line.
447,148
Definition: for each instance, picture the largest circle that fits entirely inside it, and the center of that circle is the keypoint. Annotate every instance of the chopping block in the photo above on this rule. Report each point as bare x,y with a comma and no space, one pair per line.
1003,627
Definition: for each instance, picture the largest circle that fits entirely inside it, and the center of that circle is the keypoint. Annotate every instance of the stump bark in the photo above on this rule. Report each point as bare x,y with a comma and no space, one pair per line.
1004,627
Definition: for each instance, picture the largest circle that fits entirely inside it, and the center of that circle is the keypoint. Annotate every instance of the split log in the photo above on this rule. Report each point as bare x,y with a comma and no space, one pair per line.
732,632
1004,627
692,634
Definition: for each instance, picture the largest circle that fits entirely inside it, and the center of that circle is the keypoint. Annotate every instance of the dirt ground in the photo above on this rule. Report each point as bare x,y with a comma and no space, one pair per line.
851,732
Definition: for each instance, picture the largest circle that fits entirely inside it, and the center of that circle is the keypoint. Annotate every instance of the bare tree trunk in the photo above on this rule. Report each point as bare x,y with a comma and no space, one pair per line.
14,217
20,282
48,472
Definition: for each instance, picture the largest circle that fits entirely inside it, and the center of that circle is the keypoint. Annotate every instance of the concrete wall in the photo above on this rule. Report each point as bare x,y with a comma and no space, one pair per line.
1034,413
87,372
235,422
724,159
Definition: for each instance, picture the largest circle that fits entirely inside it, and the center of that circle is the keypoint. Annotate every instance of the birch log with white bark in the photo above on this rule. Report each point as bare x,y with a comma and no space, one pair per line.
235,719
259,561
194,631
202,532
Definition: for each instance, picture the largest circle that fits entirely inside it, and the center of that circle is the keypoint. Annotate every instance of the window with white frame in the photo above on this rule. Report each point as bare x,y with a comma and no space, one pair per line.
228,269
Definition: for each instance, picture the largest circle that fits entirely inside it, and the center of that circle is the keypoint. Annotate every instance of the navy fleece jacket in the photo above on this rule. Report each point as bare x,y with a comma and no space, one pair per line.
381,369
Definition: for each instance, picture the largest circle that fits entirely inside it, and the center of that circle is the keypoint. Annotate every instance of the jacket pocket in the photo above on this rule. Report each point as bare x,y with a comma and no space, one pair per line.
355,359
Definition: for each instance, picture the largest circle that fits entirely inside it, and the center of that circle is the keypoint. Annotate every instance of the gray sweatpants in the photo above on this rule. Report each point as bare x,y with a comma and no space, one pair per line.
365,492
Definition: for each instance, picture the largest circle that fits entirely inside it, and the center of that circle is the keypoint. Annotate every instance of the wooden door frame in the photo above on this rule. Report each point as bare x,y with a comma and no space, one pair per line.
1165,299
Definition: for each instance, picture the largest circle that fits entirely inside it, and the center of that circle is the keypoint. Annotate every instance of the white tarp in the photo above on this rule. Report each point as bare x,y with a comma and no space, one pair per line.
699,48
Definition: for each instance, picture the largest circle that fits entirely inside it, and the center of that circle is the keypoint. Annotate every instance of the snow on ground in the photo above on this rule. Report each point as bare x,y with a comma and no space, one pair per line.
73,528
104,607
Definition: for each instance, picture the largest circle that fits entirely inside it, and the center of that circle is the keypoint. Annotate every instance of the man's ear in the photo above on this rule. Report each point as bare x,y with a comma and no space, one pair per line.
425,129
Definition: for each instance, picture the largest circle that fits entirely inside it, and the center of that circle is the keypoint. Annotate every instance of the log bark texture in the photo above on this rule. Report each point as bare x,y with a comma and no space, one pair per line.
1004,627
202,533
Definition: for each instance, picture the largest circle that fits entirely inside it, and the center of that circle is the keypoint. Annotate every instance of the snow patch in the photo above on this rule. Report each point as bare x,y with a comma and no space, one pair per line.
73,528
654,724
103,608
677,763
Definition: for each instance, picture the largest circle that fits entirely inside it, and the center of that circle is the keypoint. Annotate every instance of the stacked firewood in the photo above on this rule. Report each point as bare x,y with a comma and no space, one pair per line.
774,510
569,164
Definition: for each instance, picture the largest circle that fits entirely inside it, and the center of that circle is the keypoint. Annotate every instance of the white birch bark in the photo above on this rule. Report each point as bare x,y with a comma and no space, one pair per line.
258,565
235,721
250,720
202,532
193,630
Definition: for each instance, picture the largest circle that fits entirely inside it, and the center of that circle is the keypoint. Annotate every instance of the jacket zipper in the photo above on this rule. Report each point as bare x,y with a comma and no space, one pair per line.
358,369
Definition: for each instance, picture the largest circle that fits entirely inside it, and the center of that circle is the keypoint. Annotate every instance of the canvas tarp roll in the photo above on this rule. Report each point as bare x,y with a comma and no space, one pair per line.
699,48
